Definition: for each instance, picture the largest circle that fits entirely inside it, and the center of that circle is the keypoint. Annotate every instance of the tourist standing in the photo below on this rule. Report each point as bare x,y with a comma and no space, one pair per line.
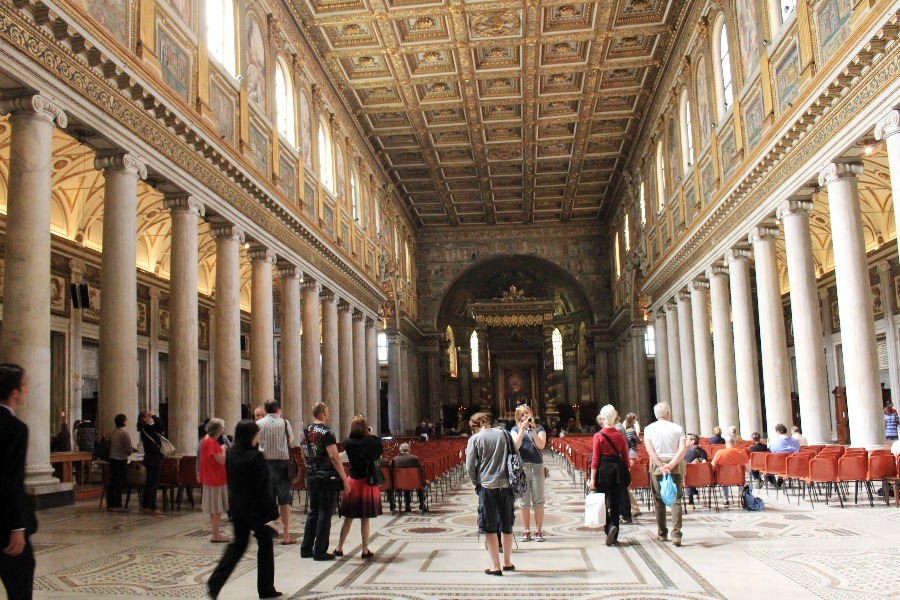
664,441
363,501
120,449
890,424
150,430
530,440
609,469
213,477
275,441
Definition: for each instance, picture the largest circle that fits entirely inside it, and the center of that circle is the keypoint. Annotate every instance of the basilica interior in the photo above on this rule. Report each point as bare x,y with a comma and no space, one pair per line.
416,210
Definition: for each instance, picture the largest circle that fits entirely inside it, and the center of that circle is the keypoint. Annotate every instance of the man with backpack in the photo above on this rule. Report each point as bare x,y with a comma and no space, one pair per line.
486,464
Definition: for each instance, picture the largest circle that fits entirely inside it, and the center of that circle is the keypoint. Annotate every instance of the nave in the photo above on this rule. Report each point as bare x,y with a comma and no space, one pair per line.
795,551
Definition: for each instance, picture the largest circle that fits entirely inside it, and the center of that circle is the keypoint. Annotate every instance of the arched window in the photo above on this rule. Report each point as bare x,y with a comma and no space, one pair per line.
220,33
725,93
473,346
660,175
687,134
284,102
451,352
642,204
326,161
354,194
408,261
557,350
780,11
382,347
627,233
616,252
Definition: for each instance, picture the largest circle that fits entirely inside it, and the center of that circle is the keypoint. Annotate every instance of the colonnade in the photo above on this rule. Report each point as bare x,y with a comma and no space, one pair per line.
340,375
713,379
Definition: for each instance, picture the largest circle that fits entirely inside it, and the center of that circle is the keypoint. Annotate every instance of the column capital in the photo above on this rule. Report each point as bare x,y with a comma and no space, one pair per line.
262,254
888,125
793,207
78,267
672,304
716,271
835,171
883,267
289,271
310,285
737,254
763,234
660,313
683,296
35,104
121,161
344,306
823,294
698,285
184,203
370,322
358,315
327,296
227,231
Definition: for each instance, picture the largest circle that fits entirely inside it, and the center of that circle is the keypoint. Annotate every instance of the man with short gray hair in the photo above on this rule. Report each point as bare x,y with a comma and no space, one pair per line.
665,444
406,460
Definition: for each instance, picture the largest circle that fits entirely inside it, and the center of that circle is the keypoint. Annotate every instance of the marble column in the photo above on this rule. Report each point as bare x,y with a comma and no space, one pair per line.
864,406
262,319
395,386
184,383
331,366
373,405
26,300
723,347
227,349
345,360
746,361
662,357
78,269
291,354
641,398
772,335
601,373
310,359
887,129
360,403
888,304
688,364
830,364
703,357
809,349
118,290
676,389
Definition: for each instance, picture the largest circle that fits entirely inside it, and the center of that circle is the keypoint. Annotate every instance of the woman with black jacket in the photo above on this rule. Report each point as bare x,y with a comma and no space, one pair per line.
363,501
150,429
252,507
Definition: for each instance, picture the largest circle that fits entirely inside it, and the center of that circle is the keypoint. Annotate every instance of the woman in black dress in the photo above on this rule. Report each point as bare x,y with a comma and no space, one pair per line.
364,499
150,429
252,507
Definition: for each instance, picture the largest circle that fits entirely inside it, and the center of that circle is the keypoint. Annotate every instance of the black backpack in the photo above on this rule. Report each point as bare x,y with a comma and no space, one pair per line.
516,473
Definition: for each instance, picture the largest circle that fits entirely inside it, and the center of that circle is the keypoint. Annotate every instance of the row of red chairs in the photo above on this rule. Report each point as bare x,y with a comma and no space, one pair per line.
177,475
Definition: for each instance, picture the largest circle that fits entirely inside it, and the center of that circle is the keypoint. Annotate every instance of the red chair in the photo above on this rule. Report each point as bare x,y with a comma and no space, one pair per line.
797,468
640,481
881,467
776,466
728,476
822,471
299,485
409,479
187,479
387,487
758,462
854,468
700,476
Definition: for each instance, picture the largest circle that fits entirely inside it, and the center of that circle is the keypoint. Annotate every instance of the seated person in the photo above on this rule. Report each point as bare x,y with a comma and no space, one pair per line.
403,460
757,446
783,443
730,455
732,430
795,433
716,437
694,453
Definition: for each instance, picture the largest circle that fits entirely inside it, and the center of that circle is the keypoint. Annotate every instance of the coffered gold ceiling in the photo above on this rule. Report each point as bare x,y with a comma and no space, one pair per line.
494,112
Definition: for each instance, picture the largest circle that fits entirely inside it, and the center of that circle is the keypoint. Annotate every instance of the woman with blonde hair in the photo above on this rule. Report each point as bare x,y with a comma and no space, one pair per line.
609,468
530,439
213,478
363,501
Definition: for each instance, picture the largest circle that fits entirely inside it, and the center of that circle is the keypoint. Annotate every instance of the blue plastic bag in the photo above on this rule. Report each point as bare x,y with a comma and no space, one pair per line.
667,490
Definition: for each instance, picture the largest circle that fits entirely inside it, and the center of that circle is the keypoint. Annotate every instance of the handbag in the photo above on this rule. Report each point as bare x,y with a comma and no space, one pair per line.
293,467
515,472
616,466
165,446
376,475
667,490
595,509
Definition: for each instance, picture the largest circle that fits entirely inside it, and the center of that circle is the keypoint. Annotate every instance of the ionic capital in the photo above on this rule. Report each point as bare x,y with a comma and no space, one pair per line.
888,125
698,285
327,296
262,254
227,231
289,271
123,162
184,203
836,171
883,267
683,296
344,306
716,271
370,322
672,304
310,285
763,234
736,254
36,105
794,207
660,313
358,315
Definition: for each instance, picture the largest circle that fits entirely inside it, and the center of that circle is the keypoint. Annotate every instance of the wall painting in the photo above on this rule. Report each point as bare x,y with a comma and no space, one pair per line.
113,16
309,202
256,64
787,78
748,28
183,9
222,106
690,205
703,101
287,173
753,121
672,152
339,177
728,151
259,149
175,63
328,218
305,131
707,181
833,26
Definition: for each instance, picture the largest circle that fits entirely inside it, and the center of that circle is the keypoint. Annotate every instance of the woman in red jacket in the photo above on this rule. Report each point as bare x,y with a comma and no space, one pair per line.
609,468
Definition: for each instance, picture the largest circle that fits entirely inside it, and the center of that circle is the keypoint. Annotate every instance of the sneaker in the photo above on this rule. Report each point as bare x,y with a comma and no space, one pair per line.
676,540
526,536
611,535
662,537
538,536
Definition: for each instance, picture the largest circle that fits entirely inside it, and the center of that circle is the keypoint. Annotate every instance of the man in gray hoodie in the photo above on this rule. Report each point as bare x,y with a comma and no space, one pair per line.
486,465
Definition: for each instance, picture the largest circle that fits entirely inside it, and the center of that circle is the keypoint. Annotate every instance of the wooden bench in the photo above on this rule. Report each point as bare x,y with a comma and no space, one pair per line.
63,464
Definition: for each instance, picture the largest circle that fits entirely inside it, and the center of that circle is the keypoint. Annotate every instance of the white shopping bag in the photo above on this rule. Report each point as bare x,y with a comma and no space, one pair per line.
595,510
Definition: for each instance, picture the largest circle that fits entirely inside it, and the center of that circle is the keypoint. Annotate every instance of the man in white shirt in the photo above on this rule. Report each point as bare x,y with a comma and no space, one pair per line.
275,441
801,439
665,444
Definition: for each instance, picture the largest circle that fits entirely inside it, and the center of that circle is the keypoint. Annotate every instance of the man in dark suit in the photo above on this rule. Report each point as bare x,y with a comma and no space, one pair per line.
17,521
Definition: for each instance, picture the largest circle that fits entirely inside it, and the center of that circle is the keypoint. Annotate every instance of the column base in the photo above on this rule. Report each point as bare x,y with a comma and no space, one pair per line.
51,495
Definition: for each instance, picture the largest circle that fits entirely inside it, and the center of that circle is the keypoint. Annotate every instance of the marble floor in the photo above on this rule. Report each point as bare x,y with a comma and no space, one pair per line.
793,551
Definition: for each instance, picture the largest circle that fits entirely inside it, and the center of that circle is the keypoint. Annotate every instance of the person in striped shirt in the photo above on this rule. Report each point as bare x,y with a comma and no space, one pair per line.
275,441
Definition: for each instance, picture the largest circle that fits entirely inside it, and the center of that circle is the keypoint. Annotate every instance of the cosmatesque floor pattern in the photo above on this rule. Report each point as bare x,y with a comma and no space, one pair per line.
796,551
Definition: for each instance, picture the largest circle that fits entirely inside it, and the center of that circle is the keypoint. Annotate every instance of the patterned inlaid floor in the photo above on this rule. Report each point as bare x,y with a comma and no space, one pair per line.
804,553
